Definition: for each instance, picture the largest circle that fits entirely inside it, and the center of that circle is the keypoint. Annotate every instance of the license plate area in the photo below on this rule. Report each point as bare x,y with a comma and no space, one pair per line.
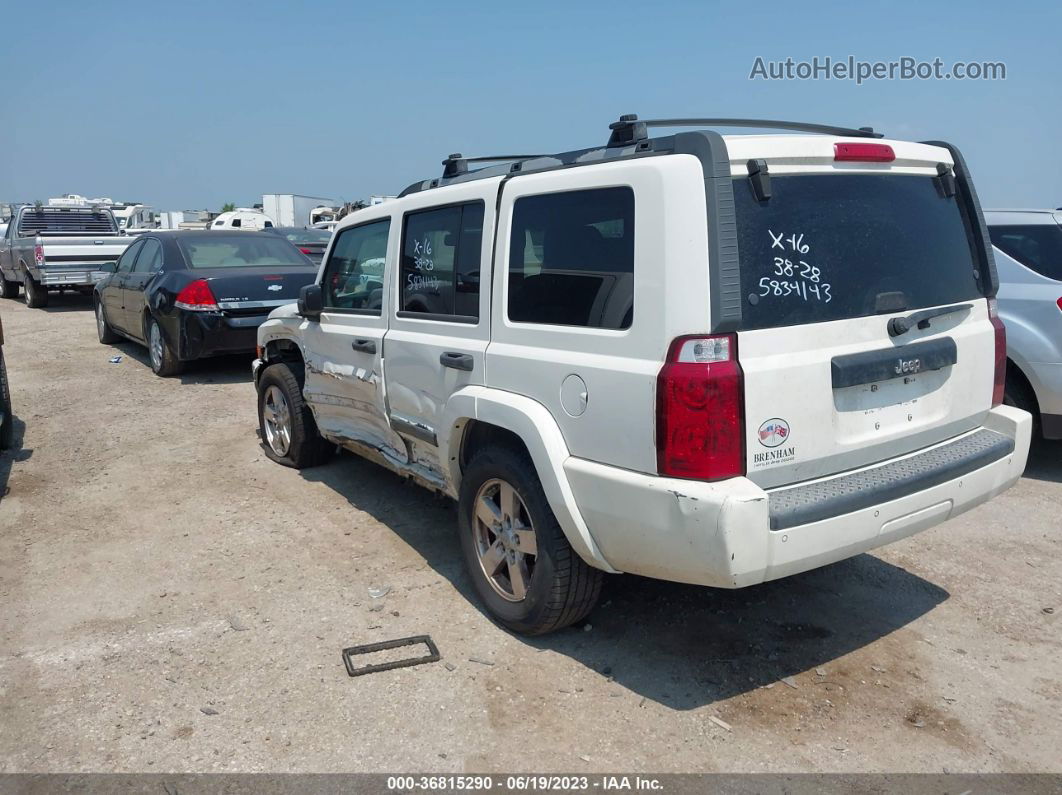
889,364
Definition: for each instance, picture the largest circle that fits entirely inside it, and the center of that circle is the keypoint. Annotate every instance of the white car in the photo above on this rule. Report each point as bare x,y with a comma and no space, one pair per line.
242,218
714,360
1028,253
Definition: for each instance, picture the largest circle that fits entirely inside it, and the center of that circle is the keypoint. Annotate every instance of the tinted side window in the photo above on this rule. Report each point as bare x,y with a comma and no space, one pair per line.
1037,247
125,262
440,260
354,275
236,222
150,258
571,259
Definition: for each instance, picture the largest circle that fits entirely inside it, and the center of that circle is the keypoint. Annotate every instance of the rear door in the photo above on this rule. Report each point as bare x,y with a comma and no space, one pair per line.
827,261
344,349
439,325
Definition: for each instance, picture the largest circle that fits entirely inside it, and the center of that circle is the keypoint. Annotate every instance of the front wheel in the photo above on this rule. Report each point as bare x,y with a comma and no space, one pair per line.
8,287
164,361
288,429
36,294
521,564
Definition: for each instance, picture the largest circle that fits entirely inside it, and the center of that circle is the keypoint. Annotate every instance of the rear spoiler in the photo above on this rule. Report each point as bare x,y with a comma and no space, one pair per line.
986,262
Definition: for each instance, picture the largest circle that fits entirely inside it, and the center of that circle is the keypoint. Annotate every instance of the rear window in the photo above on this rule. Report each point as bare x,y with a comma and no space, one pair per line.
305,235
829,247
247,250
50,220
1036,246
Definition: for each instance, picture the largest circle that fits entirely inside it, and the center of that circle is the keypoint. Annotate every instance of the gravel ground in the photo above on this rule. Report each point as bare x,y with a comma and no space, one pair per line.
170,600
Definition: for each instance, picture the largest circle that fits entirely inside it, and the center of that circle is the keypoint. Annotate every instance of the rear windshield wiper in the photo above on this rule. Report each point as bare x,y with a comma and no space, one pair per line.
901,325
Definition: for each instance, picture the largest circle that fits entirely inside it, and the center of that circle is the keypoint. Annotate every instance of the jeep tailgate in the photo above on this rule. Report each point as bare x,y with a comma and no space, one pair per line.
865,329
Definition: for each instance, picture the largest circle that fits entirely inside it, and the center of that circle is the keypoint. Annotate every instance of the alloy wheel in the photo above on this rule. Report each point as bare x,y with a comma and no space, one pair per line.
276,421
155,346
505,541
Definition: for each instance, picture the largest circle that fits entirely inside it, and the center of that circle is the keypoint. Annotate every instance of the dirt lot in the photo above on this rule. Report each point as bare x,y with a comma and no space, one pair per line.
170,600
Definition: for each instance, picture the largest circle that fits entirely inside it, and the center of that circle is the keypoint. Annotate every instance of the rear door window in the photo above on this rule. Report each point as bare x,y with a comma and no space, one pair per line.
441,250
1036,246
835,246
571,260
150,258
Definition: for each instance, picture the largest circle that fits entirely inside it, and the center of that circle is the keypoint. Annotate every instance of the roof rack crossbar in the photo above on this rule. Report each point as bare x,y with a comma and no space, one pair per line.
630,129
457,163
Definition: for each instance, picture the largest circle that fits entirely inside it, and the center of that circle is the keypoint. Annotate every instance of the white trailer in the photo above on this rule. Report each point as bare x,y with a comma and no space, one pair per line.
291,209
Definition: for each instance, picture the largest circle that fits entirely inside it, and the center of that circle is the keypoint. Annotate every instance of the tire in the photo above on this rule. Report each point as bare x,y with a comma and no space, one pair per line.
562,590
7,419
289,432
1019,394
36,295
164,361
104,331
8,288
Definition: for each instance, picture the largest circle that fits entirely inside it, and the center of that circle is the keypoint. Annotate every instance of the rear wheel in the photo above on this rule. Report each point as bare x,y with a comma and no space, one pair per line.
164,361
289,432
8,288
103,329
521,564
7,420
36,294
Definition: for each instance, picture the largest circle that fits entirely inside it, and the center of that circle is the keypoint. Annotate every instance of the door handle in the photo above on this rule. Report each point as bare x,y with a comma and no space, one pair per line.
365,346
458,361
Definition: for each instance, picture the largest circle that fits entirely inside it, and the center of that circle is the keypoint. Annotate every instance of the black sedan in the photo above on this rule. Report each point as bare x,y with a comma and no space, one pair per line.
311,242
191,294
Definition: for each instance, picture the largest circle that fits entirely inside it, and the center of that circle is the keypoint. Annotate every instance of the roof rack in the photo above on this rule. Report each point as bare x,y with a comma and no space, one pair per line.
457,164
629,129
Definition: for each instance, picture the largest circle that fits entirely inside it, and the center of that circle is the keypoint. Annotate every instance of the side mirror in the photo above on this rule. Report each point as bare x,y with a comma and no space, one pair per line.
311,302
109,267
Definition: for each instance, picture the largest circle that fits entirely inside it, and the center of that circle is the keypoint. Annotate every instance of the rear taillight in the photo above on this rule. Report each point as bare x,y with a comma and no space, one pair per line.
306,251
1060,303
197,297
1000,381
700,422
38,250
871,153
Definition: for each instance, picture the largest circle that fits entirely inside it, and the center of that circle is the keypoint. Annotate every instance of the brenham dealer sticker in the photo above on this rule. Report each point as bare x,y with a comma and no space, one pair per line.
774,436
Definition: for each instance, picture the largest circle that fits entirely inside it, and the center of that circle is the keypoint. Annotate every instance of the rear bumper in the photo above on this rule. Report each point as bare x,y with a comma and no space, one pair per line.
55,277
720,534
204,334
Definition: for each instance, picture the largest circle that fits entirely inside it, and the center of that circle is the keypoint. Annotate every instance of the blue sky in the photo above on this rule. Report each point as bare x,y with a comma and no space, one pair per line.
189,105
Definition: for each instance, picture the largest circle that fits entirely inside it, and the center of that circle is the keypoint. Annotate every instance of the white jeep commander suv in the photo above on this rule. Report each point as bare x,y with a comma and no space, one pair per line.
703,358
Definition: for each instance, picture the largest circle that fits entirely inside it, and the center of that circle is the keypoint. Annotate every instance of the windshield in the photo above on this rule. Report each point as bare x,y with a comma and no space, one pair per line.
305,235
240,251
828,247
1036,246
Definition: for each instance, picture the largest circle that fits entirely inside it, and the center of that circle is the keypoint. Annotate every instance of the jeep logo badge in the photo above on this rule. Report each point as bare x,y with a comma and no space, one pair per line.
907,366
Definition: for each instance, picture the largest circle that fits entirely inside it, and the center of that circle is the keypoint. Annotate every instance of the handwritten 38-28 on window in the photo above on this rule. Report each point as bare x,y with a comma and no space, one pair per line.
793,274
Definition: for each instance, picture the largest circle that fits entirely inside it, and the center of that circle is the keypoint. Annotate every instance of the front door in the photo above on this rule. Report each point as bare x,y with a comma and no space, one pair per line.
344,349
113,294
148,263
440,323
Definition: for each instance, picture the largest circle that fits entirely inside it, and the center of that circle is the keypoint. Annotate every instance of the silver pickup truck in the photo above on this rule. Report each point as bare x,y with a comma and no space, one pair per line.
46,248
